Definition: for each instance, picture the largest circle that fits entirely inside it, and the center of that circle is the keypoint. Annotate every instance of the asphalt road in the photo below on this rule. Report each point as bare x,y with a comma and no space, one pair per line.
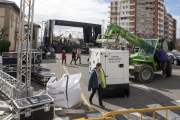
160,92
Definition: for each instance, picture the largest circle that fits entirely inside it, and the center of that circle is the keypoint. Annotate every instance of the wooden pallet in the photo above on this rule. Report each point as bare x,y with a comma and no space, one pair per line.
75,106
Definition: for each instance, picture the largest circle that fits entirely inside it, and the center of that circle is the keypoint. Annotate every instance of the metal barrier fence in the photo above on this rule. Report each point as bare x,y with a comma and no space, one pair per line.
114,113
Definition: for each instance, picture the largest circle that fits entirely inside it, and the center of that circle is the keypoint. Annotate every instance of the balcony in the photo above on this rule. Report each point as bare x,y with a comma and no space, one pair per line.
131,20
149,32
166,16
126,20
124,10
140,20
112,6
161,28
149,10
124,26
170,36
149,27
113,16
140,9
161,1
140,31
144,15
161,7
126,15
161,12
112,11
127,4
166,30
138,26
145,5
170,32
160,33
161,17
161,23
166,20
149,21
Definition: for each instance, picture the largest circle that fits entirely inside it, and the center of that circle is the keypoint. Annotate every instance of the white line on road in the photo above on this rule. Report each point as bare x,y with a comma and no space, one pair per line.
140,86
133,116
95,115
61,118
176,102
171,115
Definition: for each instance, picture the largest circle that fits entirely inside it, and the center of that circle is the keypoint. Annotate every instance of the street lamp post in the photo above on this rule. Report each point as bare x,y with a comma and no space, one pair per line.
42,32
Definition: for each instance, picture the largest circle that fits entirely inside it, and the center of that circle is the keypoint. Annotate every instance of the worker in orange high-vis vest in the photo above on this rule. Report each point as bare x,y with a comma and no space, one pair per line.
97,82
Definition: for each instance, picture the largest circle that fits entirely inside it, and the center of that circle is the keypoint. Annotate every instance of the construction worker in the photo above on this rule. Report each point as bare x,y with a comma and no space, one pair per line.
163,59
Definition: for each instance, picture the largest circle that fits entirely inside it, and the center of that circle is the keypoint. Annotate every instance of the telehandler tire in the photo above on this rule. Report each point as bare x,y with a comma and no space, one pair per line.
168,69
145,75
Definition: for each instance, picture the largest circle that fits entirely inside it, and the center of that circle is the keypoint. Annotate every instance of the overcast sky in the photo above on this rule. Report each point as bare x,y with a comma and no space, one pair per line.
89,11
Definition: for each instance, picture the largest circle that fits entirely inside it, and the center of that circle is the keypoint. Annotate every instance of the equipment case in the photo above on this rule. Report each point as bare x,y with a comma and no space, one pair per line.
36,57
42,77
9,58
39,107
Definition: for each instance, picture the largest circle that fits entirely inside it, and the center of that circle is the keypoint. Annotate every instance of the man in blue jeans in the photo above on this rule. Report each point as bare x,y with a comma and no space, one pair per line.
163,59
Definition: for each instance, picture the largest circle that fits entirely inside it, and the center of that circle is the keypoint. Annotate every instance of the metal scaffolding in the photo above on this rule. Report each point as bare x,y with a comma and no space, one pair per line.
24,56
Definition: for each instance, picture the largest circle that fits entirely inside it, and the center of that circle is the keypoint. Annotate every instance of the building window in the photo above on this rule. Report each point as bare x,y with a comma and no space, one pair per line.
12,18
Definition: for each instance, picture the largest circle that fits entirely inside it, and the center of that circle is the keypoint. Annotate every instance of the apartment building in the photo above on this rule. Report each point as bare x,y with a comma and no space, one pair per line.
144,18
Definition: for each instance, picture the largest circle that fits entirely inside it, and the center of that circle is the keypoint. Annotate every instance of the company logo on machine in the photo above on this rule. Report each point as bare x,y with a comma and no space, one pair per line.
115,59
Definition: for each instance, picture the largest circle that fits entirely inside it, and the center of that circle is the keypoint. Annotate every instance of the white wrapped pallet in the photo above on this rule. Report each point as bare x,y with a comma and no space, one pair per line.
67,91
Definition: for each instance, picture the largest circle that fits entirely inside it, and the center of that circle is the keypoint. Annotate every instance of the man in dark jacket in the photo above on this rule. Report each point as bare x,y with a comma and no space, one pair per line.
73,56
163,59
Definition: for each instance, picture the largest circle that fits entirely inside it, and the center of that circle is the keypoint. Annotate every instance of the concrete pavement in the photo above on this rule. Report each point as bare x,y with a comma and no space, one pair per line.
160,92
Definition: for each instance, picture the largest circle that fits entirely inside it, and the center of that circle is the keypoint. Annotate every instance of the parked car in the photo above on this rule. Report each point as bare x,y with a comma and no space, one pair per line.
174,57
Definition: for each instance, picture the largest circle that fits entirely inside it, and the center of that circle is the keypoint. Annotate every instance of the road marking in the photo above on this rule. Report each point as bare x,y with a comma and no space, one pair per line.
171,115
61,118
133,116
95,115
176,102
139,86
84,99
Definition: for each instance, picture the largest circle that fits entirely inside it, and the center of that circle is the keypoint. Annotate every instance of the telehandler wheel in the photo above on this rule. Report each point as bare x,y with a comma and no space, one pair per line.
168,69
145,75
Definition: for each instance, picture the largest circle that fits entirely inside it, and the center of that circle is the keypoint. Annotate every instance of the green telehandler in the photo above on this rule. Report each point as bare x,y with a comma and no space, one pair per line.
144,63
